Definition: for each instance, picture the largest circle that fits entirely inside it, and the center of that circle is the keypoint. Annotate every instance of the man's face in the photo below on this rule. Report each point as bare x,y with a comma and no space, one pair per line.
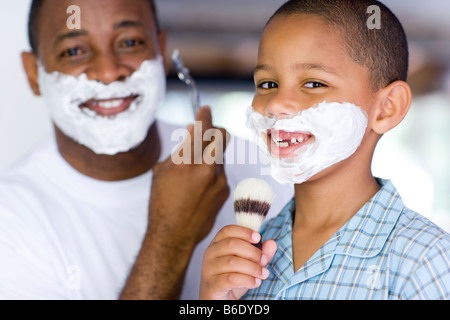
114,64
115,37
301,63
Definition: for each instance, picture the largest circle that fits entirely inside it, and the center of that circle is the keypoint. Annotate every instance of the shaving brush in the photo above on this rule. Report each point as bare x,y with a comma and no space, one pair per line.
252,200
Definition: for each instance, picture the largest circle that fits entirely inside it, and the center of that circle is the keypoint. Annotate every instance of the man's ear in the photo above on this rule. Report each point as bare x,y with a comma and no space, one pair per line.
29,62
162,45
395,100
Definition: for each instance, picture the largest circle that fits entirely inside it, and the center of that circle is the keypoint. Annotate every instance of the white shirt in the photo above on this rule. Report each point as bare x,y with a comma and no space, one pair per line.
64,235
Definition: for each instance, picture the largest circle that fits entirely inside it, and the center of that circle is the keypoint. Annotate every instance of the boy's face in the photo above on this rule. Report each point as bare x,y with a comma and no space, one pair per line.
303,62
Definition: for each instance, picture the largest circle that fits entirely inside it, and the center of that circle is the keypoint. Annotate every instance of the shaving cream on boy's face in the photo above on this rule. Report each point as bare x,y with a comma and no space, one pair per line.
312,140
128,106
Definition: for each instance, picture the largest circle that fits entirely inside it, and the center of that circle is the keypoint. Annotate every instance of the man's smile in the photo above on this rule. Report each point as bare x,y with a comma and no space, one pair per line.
109,107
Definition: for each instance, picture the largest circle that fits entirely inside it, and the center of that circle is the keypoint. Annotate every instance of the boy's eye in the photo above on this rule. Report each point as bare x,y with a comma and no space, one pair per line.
313,84
268,85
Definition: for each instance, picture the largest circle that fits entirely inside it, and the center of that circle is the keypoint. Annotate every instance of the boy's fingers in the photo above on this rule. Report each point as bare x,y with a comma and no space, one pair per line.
269,248
234,247
228,282
234,264
235,231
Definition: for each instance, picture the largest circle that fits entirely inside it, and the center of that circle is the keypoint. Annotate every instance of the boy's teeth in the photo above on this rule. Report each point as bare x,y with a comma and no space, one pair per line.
279,142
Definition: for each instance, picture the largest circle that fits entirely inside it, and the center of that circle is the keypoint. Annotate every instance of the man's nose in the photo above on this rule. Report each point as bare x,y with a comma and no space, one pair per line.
108,68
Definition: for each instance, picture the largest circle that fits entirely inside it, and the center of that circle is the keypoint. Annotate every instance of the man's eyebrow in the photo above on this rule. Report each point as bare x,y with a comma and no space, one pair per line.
127,23
78,33
71,34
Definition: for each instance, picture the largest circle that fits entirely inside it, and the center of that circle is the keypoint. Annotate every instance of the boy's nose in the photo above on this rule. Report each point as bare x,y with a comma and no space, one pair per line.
107,68
282,105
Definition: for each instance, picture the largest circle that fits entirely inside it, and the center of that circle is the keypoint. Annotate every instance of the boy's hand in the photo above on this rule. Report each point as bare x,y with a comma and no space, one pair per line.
232,264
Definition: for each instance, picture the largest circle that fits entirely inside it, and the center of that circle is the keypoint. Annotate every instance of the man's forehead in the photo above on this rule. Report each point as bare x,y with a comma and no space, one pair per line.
56,13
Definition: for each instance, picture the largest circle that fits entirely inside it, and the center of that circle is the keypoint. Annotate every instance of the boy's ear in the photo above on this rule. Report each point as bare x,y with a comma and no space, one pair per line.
395,100
29,62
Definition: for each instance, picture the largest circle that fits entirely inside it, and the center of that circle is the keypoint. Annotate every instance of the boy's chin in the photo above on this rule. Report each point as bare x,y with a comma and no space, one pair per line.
326,175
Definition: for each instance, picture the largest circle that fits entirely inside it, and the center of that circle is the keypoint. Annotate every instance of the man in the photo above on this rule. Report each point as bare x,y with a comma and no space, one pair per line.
76,218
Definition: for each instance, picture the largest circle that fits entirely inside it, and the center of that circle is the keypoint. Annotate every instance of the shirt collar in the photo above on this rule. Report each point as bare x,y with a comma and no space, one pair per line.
364,235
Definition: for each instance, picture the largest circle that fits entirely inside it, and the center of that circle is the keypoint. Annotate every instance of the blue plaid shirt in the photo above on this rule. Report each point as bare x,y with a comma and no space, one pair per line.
385,251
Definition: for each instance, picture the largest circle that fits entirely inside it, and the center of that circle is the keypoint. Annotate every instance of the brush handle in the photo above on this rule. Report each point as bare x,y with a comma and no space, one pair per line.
258,245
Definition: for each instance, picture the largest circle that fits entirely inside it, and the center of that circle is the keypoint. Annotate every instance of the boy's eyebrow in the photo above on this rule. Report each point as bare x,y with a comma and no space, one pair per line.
298,66
262,67
312,66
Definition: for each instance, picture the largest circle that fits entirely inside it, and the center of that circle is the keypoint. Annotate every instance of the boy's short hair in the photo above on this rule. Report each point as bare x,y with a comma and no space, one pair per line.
383,51
33,22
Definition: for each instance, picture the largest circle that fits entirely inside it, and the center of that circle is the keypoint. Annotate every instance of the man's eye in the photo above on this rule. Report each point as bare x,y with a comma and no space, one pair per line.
313,84
71,52
131,43
268,85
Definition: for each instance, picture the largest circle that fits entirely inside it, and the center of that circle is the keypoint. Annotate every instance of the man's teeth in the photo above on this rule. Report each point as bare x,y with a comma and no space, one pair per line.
283,144
110,103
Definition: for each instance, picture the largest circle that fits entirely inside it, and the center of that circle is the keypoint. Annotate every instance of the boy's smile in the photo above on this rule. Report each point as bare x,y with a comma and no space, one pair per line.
302,62
283,144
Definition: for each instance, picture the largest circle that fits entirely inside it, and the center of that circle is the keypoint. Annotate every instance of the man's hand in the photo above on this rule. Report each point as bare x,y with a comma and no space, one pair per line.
184,202
232,264
185,198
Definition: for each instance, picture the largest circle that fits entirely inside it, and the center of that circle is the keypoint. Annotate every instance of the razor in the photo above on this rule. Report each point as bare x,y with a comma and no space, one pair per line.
184,76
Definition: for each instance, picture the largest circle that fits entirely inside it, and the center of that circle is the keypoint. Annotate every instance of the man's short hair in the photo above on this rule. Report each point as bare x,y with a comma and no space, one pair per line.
33,22
383,51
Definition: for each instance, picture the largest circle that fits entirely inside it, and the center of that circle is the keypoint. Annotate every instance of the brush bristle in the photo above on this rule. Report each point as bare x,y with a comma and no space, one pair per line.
252,200
255,189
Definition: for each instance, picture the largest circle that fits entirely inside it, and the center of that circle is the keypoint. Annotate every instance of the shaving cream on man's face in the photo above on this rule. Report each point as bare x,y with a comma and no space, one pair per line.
107,119
304,144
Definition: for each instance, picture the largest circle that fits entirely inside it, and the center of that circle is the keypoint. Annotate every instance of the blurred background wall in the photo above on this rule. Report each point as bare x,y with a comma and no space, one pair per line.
218,41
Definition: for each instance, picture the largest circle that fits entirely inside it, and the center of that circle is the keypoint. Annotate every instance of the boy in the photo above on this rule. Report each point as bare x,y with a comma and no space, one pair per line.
323,74
99,210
